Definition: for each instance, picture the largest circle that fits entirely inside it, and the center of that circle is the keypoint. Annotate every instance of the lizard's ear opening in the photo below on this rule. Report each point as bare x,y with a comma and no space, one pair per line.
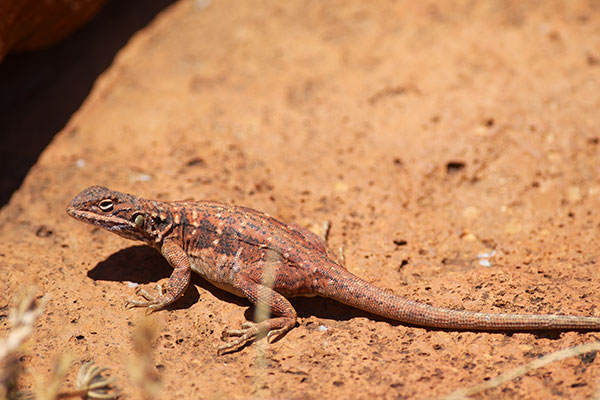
138,220
106,205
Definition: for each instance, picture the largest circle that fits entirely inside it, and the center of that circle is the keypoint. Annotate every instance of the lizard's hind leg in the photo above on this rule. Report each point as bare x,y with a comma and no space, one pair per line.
263,296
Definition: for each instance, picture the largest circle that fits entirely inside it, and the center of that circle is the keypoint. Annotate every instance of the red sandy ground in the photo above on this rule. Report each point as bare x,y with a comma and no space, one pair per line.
428,133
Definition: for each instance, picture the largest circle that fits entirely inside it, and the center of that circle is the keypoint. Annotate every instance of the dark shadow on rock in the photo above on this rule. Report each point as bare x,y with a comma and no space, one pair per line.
324,308
40,90
328,309
139,264
144,265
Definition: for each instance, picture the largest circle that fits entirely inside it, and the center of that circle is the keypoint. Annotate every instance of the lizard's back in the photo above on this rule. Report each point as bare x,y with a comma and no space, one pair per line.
224,241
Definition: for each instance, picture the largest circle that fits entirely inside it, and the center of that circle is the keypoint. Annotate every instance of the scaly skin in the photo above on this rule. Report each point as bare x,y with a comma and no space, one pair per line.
253,255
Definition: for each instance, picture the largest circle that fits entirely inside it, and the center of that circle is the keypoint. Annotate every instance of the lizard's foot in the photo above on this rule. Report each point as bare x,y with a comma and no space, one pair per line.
275,327
152,303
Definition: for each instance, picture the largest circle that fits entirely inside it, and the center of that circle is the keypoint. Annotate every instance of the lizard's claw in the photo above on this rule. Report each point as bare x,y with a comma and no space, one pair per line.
152,303
246,326
276,334
248,332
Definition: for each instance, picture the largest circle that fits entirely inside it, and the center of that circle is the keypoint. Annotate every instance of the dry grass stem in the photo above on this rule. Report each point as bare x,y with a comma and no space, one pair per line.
522,370
21,319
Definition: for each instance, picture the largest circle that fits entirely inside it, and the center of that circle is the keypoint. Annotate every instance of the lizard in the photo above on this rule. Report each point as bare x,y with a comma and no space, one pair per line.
234,247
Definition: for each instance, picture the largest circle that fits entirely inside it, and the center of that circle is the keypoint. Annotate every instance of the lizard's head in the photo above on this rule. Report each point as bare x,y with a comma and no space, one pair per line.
116,212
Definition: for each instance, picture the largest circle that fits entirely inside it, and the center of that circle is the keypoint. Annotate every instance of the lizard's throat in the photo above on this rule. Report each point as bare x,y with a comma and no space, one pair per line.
111,223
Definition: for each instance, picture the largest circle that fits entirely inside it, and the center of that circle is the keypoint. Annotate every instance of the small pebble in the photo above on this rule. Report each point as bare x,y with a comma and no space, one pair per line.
487,255
140,178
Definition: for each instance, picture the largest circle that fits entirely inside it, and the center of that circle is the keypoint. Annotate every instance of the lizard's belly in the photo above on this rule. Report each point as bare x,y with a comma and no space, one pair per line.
217,271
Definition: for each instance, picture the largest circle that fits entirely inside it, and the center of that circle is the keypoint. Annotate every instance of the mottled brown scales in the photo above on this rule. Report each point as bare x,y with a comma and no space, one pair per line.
255,256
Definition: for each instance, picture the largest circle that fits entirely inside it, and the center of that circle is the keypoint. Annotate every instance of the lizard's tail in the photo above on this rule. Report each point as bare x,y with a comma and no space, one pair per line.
349,289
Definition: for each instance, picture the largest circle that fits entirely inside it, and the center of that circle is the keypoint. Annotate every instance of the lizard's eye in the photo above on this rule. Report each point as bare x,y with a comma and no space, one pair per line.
106,205
139,220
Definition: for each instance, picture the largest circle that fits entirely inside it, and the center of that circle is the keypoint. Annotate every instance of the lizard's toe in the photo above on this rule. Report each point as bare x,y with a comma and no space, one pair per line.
234,345
152,303
142,292
246,328
276,334
242,336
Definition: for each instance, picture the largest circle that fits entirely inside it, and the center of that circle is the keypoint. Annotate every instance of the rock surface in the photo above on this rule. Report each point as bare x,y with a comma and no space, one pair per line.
453,146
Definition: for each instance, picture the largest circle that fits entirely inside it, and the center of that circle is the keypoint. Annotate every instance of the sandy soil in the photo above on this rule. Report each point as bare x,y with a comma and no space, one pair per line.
454,147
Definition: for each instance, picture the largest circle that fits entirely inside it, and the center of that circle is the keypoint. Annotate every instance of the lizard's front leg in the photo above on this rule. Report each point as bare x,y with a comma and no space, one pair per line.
177,284
260,295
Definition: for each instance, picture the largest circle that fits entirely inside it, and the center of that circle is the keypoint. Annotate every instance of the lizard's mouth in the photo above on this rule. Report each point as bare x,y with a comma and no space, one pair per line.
109,222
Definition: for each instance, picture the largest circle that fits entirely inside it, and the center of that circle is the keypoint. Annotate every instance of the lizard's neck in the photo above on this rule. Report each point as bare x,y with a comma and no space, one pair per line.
158,221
